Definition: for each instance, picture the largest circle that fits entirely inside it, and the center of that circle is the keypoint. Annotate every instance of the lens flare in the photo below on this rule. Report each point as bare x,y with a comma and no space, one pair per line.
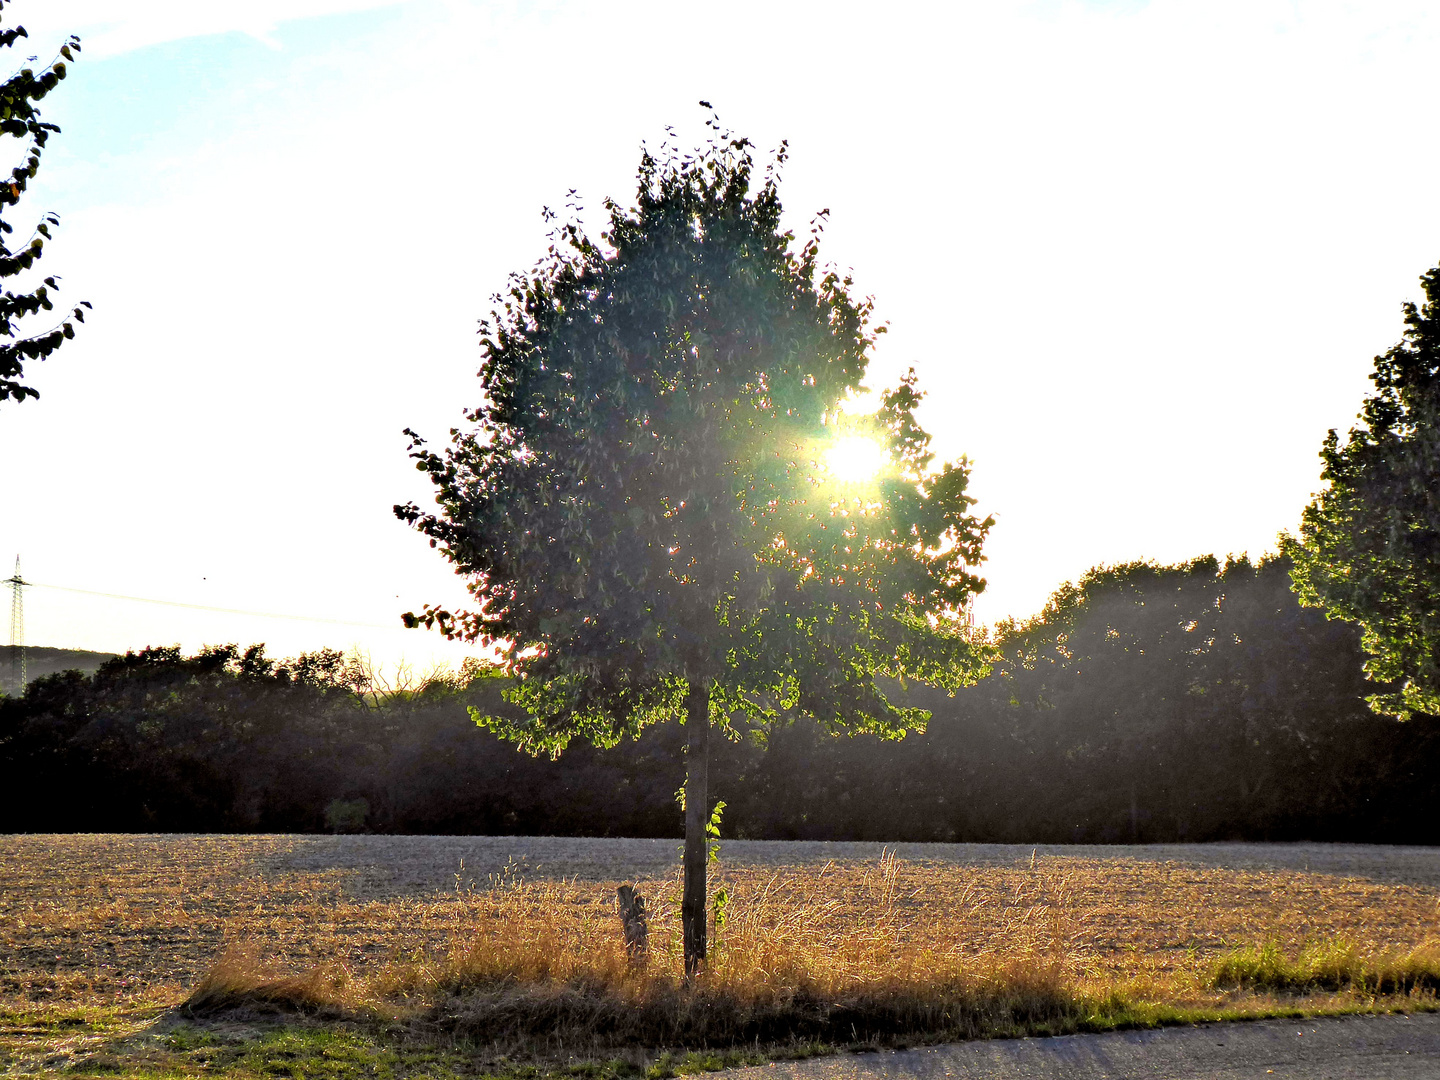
855,459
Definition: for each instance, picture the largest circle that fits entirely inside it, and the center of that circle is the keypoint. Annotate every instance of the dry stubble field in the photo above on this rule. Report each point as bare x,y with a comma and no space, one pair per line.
127,925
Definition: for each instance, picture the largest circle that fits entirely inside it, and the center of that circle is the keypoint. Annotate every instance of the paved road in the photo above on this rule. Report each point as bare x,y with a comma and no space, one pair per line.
1347,1048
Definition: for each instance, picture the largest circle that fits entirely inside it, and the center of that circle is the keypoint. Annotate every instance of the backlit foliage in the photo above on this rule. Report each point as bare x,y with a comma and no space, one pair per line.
1369,545
642,503
20,119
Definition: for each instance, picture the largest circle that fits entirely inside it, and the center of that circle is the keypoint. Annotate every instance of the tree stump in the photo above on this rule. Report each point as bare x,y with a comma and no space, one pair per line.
632,918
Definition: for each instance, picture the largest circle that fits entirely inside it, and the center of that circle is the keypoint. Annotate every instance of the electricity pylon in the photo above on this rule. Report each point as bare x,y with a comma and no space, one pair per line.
17,627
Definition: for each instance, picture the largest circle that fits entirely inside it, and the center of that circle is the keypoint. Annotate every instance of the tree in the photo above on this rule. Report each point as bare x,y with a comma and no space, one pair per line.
20,119
1369,543
658,509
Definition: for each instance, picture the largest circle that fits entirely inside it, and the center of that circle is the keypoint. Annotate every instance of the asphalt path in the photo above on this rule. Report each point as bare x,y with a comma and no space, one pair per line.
1341,1048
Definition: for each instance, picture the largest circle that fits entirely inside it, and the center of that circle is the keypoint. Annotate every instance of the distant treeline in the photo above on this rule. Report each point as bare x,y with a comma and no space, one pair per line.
41,661
1193,702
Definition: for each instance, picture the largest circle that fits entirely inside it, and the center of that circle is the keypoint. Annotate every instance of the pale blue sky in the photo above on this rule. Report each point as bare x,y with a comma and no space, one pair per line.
1140,254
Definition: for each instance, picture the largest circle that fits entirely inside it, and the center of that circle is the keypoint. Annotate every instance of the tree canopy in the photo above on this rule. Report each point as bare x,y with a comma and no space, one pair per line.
644,501
1369,543
20,119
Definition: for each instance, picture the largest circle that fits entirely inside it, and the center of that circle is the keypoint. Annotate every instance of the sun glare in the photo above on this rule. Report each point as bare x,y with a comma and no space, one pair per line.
855,459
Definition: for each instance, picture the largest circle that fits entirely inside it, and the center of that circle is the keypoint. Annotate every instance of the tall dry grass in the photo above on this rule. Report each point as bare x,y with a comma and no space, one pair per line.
846,955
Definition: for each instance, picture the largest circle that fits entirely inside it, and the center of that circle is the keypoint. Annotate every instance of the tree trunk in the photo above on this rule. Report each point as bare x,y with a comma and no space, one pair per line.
697,804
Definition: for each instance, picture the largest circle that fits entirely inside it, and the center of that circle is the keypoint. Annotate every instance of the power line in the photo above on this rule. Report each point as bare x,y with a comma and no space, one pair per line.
207,607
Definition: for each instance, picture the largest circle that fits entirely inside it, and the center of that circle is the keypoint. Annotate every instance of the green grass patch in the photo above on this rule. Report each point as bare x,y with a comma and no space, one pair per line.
277,1047
314,1049
338,1052
1327,966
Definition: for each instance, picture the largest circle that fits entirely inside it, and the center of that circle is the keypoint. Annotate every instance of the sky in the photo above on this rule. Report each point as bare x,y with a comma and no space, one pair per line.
1139,254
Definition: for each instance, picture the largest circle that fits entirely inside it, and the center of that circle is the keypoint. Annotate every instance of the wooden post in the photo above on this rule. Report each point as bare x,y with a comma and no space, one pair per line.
632,918
697,804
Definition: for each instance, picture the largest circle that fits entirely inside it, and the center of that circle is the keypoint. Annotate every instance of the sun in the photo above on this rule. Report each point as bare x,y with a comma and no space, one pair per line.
856,459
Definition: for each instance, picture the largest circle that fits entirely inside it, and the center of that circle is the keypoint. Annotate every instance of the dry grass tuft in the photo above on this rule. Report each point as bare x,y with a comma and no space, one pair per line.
238,982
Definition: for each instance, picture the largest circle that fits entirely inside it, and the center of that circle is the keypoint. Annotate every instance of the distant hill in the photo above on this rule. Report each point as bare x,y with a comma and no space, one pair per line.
41,660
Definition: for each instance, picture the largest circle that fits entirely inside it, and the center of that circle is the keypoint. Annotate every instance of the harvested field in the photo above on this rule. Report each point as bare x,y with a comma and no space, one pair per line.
127,923
106,918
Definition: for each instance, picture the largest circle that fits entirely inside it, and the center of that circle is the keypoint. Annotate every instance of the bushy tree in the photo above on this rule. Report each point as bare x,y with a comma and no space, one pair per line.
1187,701
1369,544
20,119
648,509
